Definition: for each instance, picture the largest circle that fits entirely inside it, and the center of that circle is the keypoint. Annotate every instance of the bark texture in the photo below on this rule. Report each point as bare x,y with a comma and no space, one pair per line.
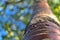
44,25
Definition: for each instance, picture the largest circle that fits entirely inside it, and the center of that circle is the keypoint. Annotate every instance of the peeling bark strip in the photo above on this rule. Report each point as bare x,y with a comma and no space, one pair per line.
44,24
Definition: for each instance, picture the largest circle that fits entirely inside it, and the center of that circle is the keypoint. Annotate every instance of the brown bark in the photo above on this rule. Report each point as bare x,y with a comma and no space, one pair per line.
44,24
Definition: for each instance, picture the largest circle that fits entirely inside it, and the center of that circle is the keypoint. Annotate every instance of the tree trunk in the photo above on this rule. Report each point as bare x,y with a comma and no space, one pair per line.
44,24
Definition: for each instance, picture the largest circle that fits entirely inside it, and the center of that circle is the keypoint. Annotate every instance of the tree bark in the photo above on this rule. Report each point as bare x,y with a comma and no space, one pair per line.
43,25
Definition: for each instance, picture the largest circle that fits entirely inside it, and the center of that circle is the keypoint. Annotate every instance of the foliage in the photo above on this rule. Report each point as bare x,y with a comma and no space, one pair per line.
14,15
55,6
